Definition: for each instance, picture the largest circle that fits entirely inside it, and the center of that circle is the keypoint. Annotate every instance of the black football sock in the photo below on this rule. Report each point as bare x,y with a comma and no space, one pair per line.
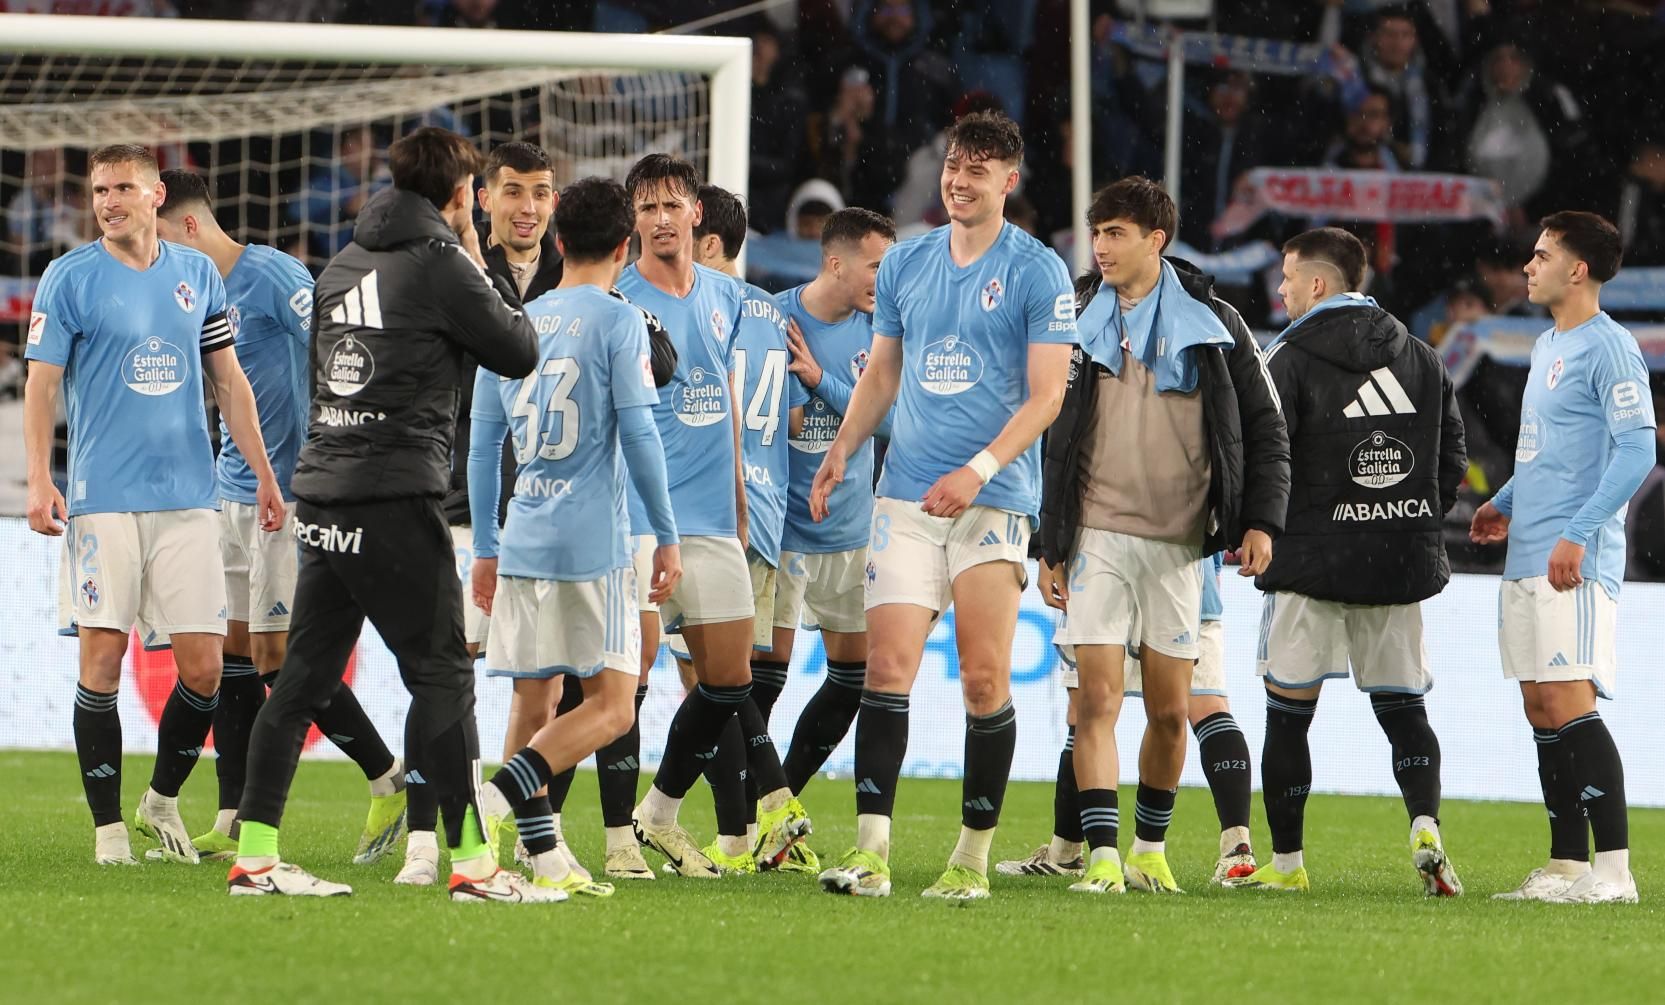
990,742
181,731
1066,798
762,759
694,732
1100,819
1225,763
768,681
725,771
1598,778
1286,769
520,778
1416,750
535,822
824,722
1153,810
881,744
618,770
1569,831
97,727
242,693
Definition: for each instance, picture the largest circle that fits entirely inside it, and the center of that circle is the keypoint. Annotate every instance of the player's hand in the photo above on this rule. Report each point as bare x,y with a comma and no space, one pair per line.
1489,525
1255,554
1055,586
482,582
803,365
1565,563
47,511
667,572
828,477
953,493
268,502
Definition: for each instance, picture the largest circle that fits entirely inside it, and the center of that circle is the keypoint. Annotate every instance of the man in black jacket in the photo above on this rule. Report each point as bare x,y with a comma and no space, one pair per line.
1169,447
1376,445
395,315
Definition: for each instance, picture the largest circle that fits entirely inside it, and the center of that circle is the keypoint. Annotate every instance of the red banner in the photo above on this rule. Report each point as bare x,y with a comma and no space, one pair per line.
1374,196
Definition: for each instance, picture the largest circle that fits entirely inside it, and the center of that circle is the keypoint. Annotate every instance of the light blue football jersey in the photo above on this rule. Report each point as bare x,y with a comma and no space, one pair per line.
965,337
759,358
1213,609
842,350
269,302
1586,385
693,411
567,520
131,344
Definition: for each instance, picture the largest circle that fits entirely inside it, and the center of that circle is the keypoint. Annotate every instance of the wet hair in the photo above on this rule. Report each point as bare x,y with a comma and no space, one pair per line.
985,135
1592,239
123,153
593,218
185,190
722,213
1138,200
430,161
851,226
526,158
654,169
1337,248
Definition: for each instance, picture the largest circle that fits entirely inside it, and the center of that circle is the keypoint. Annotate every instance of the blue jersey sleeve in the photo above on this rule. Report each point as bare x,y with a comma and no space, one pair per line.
216,329
1619,380
797,396
53,324
488,425
1627,468
292,300
631,364
644,455
1049,301
887,307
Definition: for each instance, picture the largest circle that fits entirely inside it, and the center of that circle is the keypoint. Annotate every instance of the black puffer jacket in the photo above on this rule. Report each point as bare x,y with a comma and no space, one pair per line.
1248,447
395,316
1377,448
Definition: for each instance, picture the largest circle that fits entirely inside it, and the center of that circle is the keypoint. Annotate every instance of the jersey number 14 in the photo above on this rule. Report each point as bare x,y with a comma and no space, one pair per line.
763,410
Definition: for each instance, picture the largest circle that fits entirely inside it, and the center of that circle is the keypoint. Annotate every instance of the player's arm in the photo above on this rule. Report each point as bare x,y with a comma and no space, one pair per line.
235,399
1491,520
47,511
488,425
644,456
1453,445
483,313
1266,436
874,395
736,413
1622,384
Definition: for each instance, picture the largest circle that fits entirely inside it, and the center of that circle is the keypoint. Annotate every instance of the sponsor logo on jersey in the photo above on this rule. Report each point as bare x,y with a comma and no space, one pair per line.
719,327
301,302
757,474
89,595
1556,368
329,537
819,429
37,327
534,487
1380,461
234,318
1530,441
700,401
330,415
154,367
992,294
647,372
185,297
1627,401
1399,509
349,367
858,364
950,366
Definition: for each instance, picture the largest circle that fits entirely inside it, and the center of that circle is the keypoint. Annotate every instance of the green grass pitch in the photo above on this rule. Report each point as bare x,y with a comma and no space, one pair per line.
73,932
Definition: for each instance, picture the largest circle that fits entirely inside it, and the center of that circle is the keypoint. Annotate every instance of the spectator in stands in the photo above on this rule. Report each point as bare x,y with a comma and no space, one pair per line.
1516,125
779,110
1393,61
1221,143
1500,268
919,198
336,192
1465,303
1366,141
1641,216
1020,213
846,146
913,86
990,45
812,203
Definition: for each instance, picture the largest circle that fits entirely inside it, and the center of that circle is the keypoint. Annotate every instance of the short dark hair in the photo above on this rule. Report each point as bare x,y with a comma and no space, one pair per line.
851,226
722,213
1392,12
429,162
122,153
982,135
520,156
654,169
1336,248
185,189
1591,238
1139,200
592,219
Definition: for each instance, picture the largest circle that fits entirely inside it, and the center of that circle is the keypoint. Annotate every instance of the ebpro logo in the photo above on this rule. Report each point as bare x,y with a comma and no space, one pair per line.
950,366
154,367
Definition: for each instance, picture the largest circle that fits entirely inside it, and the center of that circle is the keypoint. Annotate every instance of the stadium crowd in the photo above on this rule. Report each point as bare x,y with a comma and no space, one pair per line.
850,99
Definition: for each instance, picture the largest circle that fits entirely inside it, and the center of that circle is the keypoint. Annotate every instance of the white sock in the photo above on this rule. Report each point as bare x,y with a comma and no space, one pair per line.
658,809
422,841
551,865
732,844
559,837
482,866
1287,862
1061,851
223,821
390,781
1425,823
620,837
772,801
751,835
160,801
1142,847
1567,867
1100,854
873,834
493,803
1613,866
972,850
1231,837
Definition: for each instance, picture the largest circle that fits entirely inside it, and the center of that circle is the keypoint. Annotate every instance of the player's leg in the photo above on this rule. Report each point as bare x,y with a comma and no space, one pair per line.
569,697
619,763
1062,855
1225,756
421,866
242,692
537,692
725,773
832,593
1098,704
1390,663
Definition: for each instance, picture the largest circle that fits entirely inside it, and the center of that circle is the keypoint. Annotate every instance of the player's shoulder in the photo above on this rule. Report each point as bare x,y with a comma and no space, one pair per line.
1611,335
725,285
73,264
1030,253
914,250
276,266
188,258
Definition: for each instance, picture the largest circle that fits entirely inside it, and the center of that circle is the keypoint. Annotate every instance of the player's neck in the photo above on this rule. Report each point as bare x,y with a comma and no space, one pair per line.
136,252
1575,309
1139,287
969,242
822,302
724,265
597,274
514,256
670,275
225,252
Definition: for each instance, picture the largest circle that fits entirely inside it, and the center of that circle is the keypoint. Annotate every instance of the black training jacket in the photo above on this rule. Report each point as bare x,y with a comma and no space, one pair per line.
1248,447
1377,448
395,315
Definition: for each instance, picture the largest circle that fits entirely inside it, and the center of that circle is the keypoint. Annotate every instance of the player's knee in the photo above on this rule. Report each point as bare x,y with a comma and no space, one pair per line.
887,672
268,649
984,692
617,717
1096,702
200,679
1166,717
